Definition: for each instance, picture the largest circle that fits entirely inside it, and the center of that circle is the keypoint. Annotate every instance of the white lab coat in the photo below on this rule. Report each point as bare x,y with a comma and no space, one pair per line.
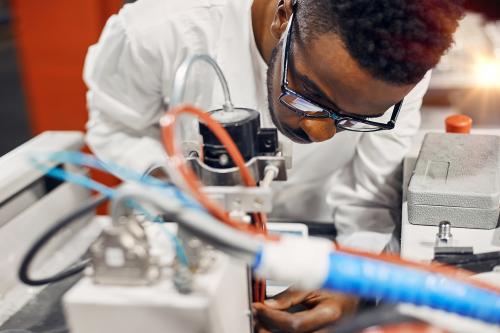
352,180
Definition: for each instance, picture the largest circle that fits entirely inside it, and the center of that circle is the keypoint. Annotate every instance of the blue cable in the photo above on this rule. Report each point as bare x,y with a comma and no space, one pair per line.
81,159
393,283
75,178
84,181
179,249
347,273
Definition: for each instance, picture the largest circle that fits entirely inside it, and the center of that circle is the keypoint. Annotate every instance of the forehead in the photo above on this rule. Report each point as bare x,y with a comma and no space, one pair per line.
326,62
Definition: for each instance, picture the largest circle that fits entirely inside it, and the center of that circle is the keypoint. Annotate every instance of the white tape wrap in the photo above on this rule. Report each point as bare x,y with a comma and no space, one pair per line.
301,262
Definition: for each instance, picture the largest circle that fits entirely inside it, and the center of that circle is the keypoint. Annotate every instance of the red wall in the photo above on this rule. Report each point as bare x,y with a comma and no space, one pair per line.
52,38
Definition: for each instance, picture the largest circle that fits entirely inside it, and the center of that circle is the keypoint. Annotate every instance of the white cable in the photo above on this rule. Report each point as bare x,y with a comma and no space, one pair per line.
198,222
288,260
304,263
270,174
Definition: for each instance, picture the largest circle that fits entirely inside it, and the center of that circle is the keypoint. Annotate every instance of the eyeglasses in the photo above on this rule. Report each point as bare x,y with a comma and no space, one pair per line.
307,108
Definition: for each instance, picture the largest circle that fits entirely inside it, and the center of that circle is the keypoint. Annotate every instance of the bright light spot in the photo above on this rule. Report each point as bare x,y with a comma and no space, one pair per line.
487,73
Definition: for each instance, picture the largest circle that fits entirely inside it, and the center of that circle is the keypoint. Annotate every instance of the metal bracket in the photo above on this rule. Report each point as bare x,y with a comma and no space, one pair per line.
121,256
239,198
231,176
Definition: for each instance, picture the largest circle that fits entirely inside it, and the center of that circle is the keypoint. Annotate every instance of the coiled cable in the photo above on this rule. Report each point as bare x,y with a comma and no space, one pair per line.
24,269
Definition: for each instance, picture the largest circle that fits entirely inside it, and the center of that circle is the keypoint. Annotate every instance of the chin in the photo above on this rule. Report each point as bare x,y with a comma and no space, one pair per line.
289,133
285,131
298,140
301,139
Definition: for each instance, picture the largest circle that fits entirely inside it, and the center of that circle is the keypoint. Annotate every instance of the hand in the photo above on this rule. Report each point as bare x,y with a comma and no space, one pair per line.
323,309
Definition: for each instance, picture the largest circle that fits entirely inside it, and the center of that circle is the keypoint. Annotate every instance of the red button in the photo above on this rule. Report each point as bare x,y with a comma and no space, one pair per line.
458,123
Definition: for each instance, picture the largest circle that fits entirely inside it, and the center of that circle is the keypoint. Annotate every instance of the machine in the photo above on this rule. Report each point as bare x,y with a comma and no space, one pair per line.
192,257
134,273
214,293
27,193
451,200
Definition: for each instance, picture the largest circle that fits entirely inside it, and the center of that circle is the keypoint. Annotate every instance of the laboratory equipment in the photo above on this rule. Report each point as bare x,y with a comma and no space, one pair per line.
111,306
243,125
288,260
450,200
30,203
193,275
134,282
456,179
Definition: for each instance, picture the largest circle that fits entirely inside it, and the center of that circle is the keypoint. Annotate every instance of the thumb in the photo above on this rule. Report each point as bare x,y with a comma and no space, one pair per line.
286,299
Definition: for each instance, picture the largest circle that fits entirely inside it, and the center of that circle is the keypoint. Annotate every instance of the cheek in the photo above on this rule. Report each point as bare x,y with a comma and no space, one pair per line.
282,114
319,130
287,117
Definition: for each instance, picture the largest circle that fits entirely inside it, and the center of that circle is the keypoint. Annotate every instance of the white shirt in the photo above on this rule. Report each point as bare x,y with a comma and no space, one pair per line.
352,180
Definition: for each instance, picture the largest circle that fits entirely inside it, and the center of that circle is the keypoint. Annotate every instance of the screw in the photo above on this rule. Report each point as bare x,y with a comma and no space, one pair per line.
444,236
223,159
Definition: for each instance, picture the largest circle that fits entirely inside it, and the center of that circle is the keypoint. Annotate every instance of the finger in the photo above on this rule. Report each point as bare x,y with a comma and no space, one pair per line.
261,330
306,321
322,315
256,307
286,299
347,303
272,319
258,328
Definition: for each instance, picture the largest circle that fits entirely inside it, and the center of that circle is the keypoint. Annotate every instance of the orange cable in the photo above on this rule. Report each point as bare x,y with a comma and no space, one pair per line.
177,159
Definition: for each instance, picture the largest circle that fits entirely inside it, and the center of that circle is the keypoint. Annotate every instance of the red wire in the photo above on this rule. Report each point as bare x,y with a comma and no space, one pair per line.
177,159
456,273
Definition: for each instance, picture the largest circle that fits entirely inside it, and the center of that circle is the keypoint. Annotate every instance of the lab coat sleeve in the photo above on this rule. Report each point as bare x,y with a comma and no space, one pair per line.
124,77
366,193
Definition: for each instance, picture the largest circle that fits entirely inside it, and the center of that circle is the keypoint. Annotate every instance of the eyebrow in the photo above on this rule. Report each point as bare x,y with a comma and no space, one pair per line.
336,108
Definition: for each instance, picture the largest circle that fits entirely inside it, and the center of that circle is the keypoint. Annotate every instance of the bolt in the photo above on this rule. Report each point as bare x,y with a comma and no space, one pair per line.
223,159
444,236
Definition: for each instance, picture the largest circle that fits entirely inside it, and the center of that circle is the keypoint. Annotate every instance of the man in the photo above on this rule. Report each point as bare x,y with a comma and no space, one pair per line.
357,66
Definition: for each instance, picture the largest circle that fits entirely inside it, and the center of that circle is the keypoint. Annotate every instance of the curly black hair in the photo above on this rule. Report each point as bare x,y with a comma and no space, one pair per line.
396,41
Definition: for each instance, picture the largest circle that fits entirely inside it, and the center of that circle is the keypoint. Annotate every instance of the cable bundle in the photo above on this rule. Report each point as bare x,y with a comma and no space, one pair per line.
384,276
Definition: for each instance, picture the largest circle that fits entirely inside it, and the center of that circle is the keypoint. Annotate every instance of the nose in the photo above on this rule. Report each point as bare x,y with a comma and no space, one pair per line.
318,129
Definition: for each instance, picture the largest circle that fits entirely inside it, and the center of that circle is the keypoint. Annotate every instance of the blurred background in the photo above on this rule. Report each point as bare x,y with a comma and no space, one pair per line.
43,46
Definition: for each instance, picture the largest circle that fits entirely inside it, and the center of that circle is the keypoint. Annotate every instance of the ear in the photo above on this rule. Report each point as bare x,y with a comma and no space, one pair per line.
282,15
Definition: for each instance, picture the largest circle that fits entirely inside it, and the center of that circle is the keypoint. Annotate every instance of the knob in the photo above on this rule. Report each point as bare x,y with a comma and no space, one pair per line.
458,123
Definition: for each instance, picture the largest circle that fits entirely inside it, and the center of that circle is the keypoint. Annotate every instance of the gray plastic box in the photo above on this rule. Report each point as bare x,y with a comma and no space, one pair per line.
456,179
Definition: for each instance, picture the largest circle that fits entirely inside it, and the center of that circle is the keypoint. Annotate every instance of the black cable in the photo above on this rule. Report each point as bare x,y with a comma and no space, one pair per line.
47,236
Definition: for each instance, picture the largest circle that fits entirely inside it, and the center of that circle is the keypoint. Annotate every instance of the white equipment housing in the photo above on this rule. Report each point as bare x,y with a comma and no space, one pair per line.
418,241
219,304
27,208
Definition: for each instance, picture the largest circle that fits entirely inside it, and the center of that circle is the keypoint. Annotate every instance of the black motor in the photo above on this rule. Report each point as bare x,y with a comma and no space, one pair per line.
243,125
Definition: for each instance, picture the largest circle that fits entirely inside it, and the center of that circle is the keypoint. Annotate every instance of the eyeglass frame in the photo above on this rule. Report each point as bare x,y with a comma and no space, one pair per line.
326,112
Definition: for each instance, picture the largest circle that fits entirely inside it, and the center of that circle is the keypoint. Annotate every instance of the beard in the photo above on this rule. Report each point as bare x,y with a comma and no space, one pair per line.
270,79
297,135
